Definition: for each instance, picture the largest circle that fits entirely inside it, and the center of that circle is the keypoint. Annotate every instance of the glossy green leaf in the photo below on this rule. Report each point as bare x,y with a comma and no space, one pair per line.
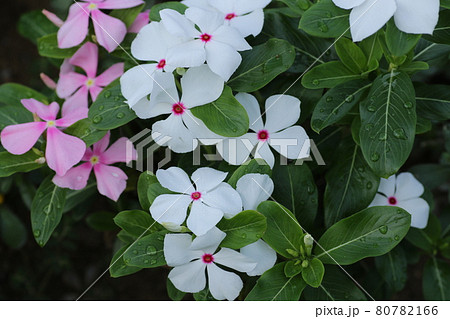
313,274
136,222
147,252
13,93
293,268
433,101
86,131
177,6
441,33
255,166
393,268
145,180
351,55
12,115
436,280
174,293
48,47
426,239
34,25
128,16
399,43
328,75
118,268
371,47
11,164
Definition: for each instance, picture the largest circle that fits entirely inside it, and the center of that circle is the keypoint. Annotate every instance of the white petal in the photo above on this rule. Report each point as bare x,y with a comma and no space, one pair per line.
195,3
370,17
223,284
234,260
176,249
199,130
408,187
173,133
175,179
225,198
170,208
379,200
282,111
137,83
223,6
232,37
292,142
263,151
177,24
419,210
203,218
208,21
417,16
209,241
249,24
189,277
251,105
164,93
207,178
348,4
247,6
236,151
387,186
200,86
222,59
254,189
263,254
187,54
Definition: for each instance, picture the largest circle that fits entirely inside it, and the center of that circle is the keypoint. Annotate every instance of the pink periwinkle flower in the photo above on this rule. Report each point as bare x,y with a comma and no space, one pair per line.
141,21
108,30
62,151
111,181
75,87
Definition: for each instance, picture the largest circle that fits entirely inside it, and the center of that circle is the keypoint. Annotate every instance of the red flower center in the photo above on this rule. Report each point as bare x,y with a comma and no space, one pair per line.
196,195
205,37
230,16
263,135
161,64
178,108
207,258
392,200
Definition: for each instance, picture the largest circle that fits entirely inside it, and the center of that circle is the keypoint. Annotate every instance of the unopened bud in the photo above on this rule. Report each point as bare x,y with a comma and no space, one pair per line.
48,81
292,252
305,264
53,18
181,71
40,160
309,242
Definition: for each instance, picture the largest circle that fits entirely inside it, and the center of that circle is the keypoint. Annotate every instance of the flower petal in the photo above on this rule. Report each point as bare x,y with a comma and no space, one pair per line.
387,186
76,178
419,210
19,139
263,254
177,250
86,58
292,143
102,145
200,86
251,105
232,37
190,277
173,133
110,31
223,284
199,130
110,75
408,187
379,200
203,218
177,24
417,16
209,241
68,83
207,178
249,24
141,21
247,6
111,181
282,111
208,21
170,208
95,92
234,260
263,151
76,104
225,198
236,151
119,4
118,153
254,189
75,29
348,4
222,59
187,54
137,83
175,179
45,112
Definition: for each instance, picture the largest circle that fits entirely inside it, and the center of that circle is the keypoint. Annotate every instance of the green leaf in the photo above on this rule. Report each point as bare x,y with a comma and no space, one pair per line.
118,268
46,210
145,180
433,101
351,55
12,115
441,33
337,102
372,49
226,116
325,20
328,75
177,6
313,274
351,184
204,295
296,190
262,64
13,93
33,25
243,229
174,293
101,221
147,252
109,111
393,268
388,123
428,238
293,268
445,4
423,125
298,7
12,230
399,43
273,285
436,280
11,164
48,47
283,232
255,166
86,131
136,222
128,16
372,232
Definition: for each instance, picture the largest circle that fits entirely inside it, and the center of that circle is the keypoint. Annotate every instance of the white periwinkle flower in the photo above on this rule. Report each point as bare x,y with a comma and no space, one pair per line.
210,41
193,258
411,16
278,132
211,199
404,191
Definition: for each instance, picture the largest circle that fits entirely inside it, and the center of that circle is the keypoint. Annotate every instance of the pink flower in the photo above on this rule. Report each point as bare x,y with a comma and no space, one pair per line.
62,152
69,82
141,21
108,30
111,181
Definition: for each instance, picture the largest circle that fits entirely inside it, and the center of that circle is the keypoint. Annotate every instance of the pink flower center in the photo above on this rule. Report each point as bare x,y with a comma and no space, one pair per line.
92,6
94,160
90,82
51,124
207,258
205,37
392,200
178,108
230,16
196,195
263,135
161,64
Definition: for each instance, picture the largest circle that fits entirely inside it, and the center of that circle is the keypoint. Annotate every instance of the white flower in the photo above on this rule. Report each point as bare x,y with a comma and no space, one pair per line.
263,254
282,112
211,41
211,199
411,16
181,129
192,257
404,191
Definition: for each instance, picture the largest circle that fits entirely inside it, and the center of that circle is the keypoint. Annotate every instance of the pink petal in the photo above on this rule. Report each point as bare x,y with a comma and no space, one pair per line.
32,105
87,155
110,31
45,112
110,75
75,29
119,4
111,181
76,178
76,103
48,81
102,145
63,151
117,152
66,67
95,91
141,21
19,139
69,83
87,59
